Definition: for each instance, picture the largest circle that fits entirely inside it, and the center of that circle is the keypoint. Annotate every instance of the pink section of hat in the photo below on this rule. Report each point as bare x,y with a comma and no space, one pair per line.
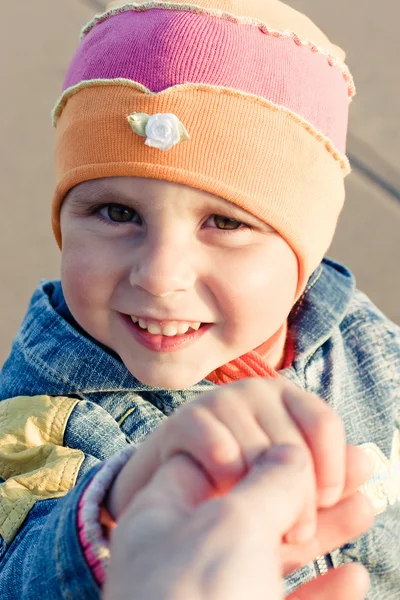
161,48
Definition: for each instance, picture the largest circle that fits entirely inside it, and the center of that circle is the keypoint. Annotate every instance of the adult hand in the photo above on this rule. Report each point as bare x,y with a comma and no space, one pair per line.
225,429
179,540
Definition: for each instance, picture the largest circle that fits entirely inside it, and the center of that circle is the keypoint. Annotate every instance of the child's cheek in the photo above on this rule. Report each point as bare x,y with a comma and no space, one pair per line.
262,283
88,280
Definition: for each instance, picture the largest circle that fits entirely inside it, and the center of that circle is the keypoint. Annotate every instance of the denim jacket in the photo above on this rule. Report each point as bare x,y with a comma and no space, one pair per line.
68,404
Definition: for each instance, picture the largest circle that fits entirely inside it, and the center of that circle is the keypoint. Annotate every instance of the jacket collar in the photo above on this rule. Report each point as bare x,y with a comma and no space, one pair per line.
321,308
50,336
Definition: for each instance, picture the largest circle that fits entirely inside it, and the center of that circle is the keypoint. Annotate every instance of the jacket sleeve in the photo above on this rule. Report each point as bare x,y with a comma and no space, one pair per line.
45,559
41,554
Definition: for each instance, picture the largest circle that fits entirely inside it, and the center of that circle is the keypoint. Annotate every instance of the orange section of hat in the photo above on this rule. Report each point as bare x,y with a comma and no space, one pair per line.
252,153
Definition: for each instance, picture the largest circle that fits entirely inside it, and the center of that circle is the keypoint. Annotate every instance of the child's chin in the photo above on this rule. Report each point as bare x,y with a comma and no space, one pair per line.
168,378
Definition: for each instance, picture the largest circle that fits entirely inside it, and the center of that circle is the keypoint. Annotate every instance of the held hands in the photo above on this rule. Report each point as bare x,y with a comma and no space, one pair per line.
226,429
178,540
223,433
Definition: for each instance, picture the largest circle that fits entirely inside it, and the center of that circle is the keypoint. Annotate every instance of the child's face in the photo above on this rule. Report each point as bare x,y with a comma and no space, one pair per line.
165,252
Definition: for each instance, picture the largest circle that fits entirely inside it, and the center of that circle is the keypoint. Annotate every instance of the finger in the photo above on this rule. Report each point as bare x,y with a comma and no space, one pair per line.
322,429
274,491
350,582
358,470
257,418
336,526
253,412
233,408
192,431
199,433
178,486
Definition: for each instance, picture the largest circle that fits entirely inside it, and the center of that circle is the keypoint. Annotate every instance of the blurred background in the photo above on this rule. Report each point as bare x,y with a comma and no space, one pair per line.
36,43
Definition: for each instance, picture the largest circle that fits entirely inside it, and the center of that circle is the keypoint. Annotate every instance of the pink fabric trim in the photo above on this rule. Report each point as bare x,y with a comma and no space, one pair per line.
94,544
161,48
93,561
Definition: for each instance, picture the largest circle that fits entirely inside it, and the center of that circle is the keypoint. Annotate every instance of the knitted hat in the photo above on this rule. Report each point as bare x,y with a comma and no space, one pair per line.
245,99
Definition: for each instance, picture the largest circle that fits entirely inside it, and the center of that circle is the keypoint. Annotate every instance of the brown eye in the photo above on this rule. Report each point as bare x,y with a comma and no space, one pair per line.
226,223
119,214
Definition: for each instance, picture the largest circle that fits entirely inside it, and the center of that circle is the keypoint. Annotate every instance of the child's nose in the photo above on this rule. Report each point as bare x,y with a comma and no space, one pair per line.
164,269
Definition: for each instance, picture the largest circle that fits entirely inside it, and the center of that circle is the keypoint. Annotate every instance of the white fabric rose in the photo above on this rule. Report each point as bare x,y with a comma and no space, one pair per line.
163,131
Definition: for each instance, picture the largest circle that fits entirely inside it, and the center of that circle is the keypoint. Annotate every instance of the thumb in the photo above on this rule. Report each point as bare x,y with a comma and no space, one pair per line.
177,487
276,487
172,494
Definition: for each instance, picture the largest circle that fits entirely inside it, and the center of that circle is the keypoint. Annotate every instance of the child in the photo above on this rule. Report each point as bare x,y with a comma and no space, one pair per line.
200,155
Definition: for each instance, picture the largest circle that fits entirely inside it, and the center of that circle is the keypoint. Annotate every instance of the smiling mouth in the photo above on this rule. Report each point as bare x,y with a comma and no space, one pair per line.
166,328
170,340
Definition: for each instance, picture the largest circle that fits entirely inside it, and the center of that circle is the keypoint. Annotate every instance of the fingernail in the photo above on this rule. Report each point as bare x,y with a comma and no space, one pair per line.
329,496
301,533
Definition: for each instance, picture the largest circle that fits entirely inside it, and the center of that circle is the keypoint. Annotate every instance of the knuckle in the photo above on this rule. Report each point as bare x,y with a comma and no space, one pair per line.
245,393
220,401
198,421
263,385
257,391
189,420
201,435
282,385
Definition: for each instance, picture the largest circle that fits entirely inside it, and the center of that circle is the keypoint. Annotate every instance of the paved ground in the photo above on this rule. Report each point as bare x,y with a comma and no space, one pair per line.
36,43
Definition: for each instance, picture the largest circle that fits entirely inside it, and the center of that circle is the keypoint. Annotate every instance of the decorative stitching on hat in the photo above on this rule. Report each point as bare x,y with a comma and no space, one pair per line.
68,93
333,61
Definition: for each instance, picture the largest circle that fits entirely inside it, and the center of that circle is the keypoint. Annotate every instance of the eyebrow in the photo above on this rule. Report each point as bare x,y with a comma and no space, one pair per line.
82,196
79,197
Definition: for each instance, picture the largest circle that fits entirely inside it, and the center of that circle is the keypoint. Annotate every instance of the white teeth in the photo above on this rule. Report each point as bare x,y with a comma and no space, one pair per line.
168,329
154,328
183,328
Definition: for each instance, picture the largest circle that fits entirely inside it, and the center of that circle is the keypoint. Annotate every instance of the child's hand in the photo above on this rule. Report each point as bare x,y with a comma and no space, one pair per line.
227,428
